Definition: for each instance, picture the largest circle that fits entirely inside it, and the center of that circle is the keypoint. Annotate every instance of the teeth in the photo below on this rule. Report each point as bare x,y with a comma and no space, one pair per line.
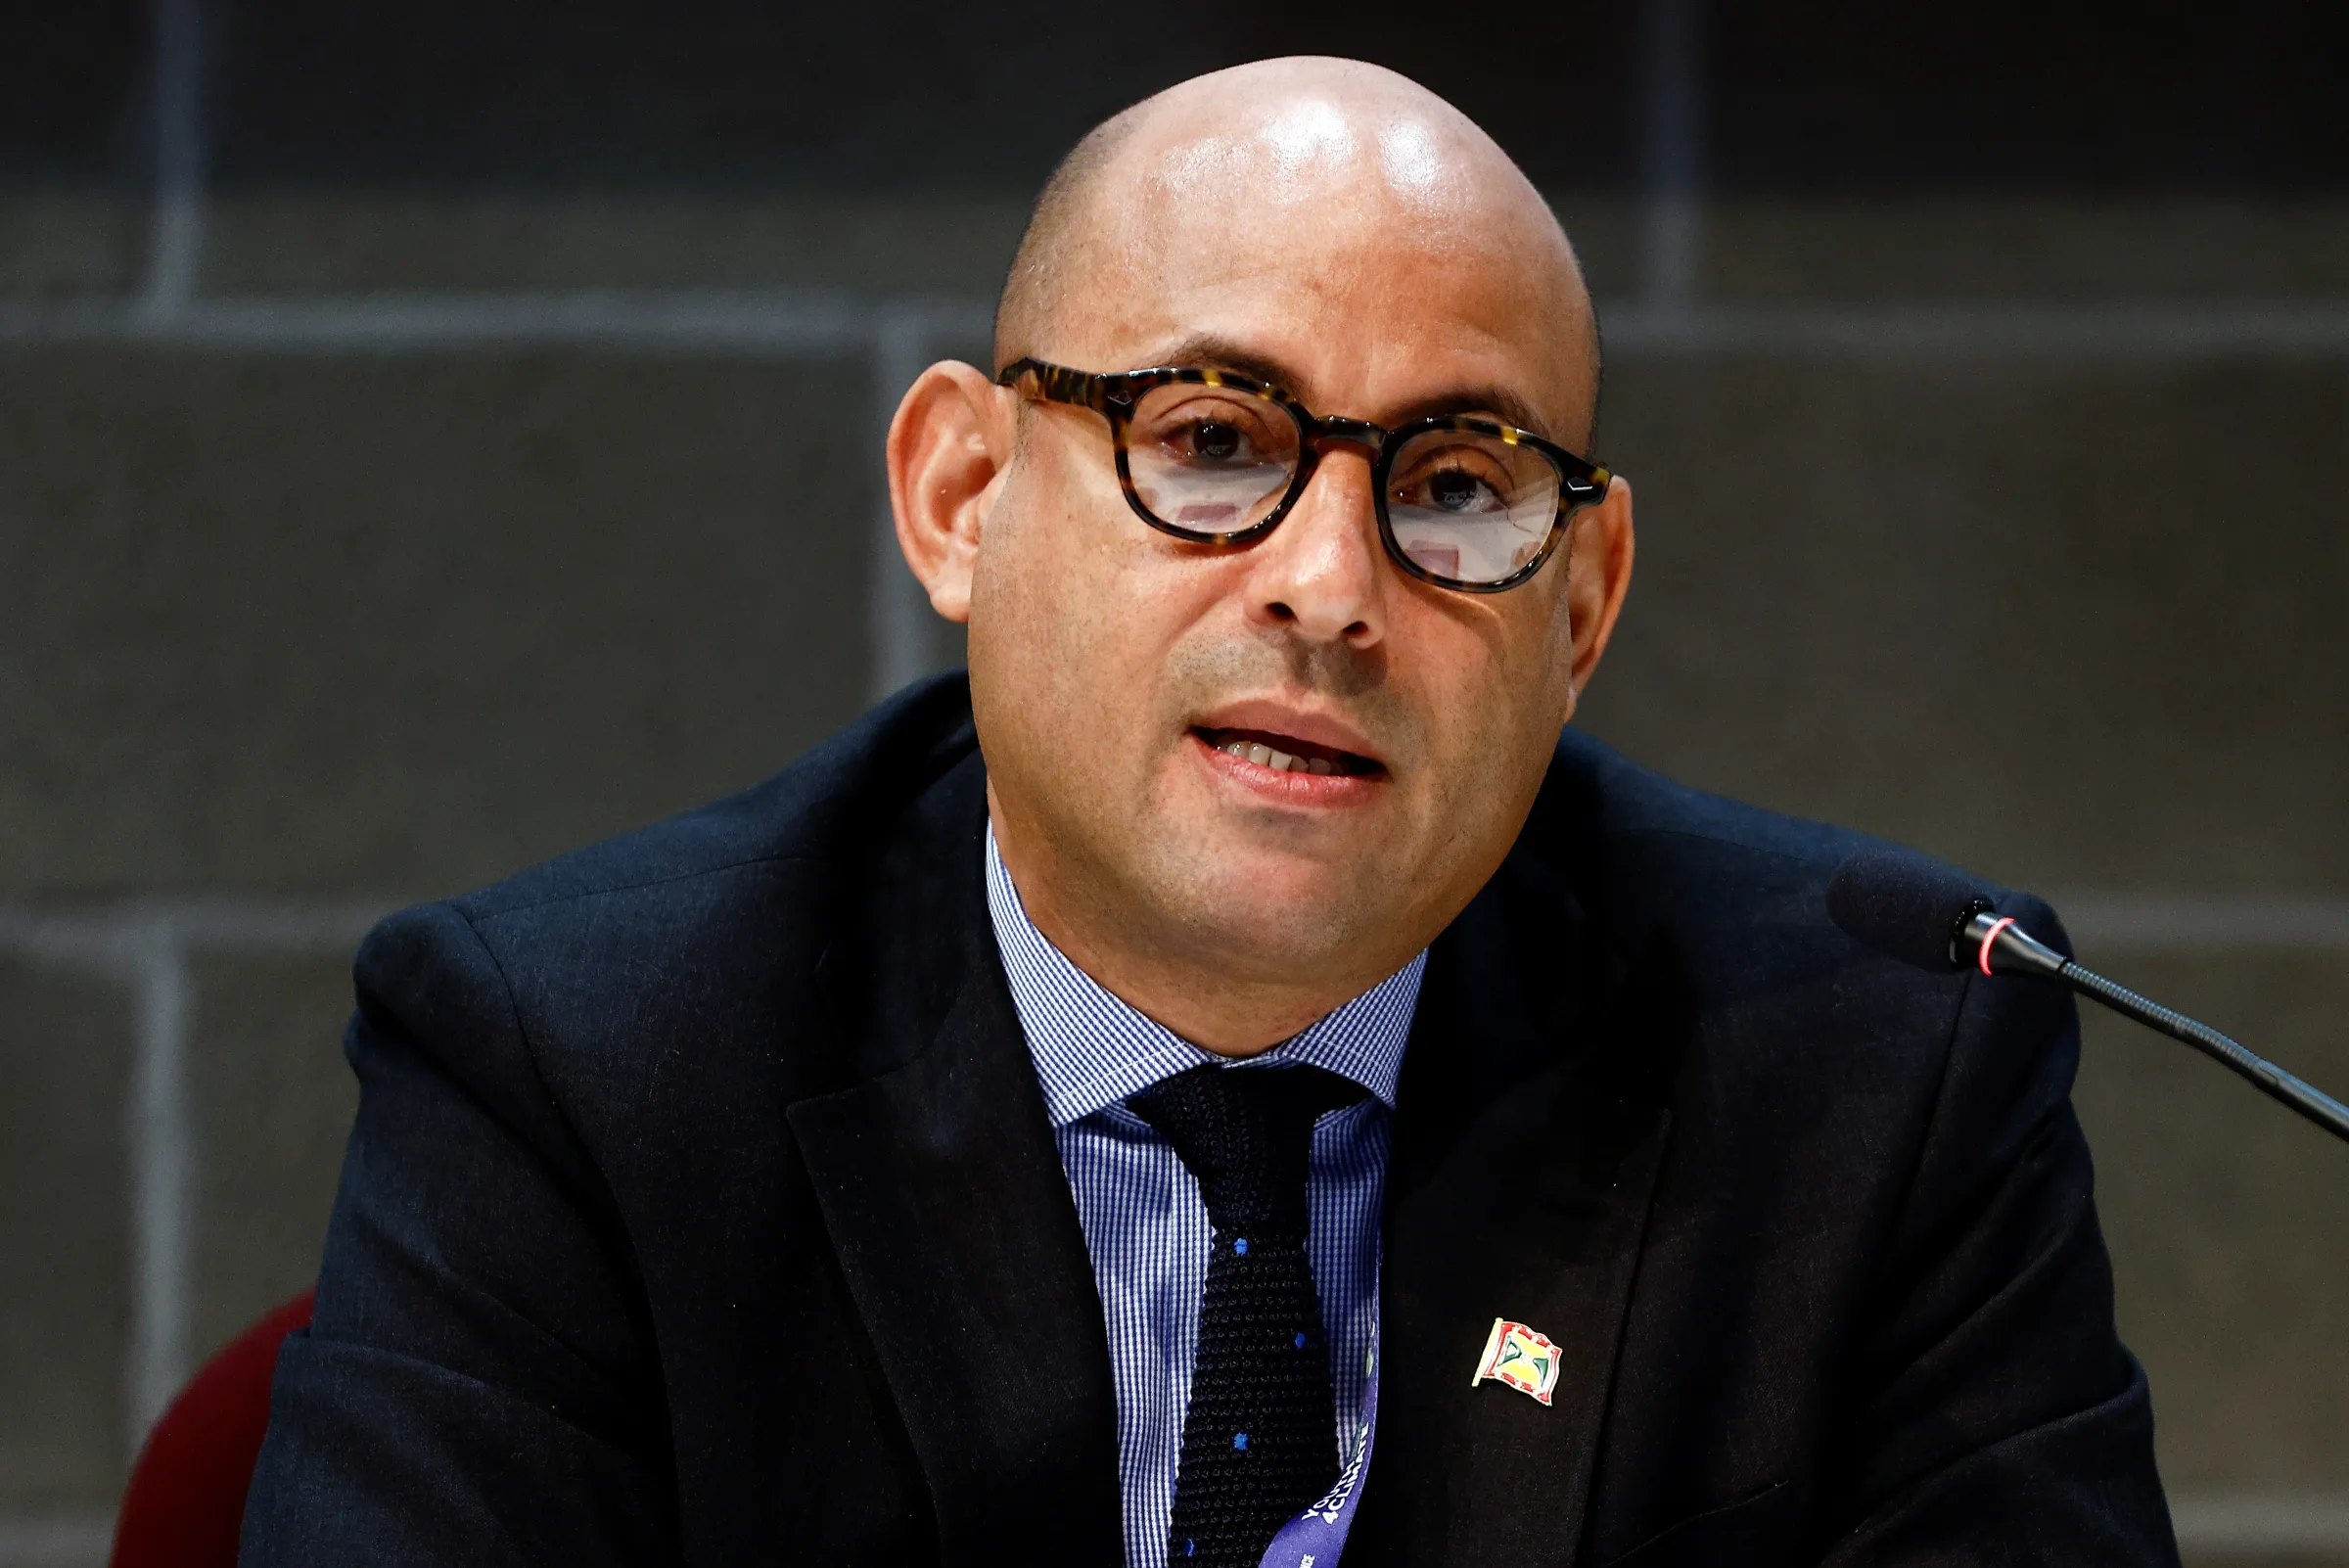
1279,762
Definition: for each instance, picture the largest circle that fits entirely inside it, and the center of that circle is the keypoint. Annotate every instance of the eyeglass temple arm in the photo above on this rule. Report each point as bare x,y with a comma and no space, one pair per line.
1058,384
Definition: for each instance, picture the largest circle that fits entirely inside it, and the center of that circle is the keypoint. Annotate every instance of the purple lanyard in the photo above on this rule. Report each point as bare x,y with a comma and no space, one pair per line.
1315,1537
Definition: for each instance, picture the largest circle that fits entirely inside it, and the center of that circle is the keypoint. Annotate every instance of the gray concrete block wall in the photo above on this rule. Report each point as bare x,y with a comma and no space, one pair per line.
2226,1215
367,627
65,1303
399,625
2068,623
273,1097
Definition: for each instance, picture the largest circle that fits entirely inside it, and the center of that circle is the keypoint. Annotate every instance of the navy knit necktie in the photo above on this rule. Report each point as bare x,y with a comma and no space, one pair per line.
1259,1440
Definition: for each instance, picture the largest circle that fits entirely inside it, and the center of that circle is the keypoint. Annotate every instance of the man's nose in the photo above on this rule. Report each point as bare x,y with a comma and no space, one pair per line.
1318,573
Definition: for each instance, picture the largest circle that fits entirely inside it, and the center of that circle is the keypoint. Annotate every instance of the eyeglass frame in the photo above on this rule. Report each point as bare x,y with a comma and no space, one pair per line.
1115,395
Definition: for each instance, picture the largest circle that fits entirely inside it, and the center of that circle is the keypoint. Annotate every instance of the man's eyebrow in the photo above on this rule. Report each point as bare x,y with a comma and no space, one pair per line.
1205,351
1511,408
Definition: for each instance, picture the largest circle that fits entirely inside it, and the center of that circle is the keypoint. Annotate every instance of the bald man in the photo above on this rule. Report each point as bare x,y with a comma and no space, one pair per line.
1225,1083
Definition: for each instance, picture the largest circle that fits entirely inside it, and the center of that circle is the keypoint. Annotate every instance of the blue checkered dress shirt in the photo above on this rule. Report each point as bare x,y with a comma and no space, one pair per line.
1141,1210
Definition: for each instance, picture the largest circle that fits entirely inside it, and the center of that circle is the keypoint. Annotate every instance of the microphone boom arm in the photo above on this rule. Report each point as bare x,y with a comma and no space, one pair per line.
2002,947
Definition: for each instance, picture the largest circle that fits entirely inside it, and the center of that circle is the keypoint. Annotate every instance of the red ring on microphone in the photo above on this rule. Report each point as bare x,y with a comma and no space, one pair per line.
1990,936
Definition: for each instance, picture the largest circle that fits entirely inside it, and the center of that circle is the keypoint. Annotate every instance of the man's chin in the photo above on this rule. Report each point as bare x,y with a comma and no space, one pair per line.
1278,909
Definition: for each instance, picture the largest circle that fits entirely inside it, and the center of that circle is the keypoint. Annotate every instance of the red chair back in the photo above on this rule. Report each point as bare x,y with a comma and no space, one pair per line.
185,1504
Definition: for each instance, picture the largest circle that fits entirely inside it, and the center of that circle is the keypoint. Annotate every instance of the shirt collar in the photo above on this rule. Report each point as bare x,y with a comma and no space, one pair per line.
1092,1050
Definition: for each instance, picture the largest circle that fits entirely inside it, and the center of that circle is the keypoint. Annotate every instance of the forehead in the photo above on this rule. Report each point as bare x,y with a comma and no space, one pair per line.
1369,263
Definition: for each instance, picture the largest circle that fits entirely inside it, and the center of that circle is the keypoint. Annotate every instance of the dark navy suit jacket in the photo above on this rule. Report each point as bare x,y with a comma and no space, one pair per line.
701,1208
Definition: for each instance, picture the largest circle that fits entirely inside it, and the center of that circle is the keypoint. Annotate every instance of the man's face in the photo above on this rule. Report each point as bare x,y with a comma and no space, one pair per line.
1114,668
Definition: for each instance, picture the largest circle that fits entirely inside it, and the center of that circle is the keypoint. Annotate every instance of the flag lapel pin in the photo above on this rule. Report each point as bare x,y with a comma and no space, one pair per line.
1520,1358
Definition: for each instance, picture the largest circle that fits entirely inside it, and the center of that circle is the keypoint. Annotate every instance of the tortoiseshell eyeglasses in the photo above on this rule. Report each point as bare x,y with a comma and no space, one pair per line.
1218,457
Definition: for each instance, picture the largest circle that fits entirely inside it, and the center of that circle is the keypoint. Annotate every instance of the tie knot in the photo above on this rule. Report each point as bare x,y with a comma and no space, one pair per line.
1247,1134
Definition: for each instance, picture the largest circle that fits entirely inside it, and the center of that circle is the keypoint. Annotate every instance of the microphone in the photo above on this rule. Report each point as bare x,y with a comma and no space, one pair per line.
1920,910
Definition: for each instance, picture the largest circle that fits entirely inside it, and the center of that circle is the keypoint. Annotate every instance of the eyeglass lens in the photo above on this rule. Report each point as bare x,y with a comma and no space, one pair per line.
1472,508
1211,460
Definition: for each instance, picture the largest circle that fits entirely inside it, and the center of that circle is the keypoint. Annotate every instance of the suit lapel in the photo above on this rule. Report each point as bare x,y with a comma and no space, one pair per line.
1525,1160
946,1200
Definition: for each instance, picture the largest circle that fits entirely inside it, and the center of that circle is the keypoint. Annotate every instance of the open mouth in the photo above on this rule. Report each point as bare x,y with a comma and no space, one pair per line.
1287,753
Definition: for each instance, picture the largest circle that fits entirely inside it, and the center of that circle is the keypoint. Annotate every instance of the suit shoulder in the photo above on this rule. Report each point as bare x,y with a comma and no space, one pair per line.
1628,825
1734,894
731,883
1623,800
700,934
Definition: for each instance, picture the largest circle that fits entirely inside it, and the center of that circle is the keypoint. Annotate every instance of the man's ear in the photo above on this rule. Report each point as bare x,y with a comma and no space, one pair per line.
949,448
1598,573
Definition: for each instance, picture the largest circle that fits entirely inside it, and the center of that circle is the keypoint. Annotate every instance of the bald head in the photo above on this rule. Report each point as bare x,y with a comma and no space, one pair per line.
1298,172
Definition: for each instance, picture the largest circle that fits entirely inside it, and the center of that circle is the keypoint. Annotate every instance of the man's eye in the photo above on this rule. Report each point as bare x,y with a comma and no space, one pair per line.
1455,489
1215,440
